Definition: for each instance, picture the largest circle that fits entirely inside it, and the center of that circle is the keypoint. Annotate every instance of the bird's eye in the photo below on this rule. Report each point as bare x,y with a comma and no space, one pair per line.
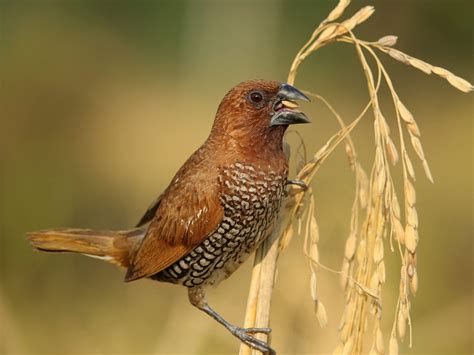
256,97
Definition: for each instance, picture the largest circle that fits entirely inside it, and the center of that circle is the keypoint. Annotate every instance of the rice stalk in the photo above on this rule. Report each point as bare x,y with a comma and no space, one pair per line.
383,227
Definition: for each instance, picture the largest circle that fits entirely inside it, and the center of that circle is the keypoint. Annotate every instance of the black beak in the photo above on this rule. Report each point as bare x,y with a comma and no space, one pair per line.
282,115
288,92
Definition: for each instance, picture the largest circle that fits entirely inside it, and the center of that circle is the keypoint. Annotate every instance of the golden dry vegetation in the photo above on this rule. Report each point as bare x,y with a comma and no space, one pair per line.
103,101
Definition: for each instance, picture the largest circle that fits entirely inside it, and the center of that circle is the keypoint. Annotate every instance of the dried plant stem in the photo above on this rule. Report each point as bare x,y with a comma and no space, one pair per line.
261,286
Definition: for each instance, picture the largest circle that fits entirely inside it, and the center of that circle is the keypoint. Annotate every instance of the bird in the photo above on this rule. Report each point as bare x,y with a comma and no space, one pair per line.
218,208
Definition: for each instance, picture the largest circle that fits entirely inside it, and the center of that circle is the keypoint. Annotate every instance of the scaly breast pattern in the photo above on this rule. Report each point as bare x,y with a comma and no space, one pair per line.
251,198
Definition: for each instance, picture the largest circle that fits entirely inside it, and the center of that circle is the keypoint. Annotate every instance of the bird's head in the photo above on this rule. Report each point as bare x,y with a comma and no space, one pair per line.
259,111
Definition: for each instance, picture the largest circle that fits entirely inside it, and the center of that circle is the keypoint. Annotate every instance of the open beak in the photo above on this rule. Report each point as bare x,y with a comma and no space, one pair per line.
284,112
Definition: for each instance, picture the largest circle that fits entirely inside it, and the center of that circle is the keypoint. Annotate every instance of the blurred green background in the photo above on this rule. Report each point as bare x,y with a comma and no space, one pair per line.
102,101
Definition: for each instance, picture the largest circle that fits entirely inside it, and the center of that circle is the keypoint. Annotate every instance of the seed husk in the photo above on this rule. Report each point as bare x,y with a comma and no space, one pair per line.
321,315
313,287
414,283
411,238
412,216
378,250
350,247
409,166
427,170
392,152
387,41
393,346
401,324
416,143
379,341
410,193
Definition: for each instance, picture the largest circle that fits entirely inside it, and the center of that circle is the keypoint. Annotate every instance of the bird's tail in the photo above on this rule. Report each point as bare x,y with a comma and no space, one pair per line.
114,246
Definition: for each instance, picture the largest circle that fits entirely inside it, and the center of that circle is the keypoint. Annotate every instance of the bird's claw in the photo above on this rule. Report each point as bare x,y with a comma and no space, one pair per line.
260,345
257,330
299,183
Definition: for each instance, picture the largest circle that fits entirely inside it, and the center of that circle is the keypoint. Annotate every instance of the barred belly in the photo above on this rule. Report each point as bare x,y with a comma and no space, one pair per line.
251,199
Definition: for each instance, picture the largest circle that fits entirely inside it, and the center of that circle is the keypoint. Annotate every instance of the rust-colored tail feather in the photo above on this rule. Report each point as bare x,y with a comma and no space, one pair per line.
114,246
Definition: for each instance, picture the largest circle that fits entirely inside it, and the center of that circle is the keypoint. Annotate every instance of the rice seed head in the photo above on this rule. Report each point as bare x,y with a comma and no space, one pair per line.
314,229
344,333
397,55
404,112
403,283
395,206
409,166
338,10
344,273
411,259
401,324
387,199
327,34
349,153
410,193
410,270
416,143
374,283
456,81
381,182
363,188
411,238
337,30
392,151
414,283
338,350
379,341
384,127
361,251
413,128
347,350
314,252
427,171
412,216
342,322
360,16
387,41
313,287
381,272
378,250
350,247
321,314
399,231
420,65
460,83
441,72
378,158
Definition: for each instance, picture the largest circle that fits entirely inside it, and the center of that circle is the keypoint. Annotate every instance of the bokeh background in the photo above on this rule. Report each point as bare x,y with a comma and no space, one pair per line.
102,101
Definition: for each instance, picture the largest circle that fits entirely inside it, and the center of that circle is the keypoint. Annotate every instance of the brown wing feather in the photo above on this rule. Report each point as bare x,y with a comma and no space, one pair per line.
185,216
149,213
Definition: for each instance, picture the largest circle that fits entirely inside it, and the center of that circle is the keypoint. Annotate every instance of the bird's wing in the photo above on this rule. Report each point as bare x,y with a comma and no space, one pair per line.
149,213
187,213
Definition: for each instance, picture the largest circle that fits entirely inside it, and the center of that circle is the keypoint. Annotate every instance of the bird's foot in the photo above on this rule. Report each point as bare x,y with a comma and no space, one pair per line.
257,330
260,345
299,183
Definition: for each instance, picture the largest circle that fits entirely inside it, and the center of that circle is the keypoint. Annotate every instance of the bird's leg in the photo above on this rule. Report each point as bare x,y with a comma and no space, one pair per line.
299,183
198,299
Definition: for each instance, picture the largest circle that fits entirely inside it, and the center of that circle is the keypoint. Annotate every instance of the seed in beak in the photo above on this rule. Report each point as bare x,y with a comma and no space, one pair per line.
289,104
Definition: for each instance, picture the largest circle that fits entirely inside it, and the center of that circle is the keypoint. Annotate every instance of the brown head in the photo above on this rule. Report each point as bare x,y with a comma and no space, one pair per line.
256,114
